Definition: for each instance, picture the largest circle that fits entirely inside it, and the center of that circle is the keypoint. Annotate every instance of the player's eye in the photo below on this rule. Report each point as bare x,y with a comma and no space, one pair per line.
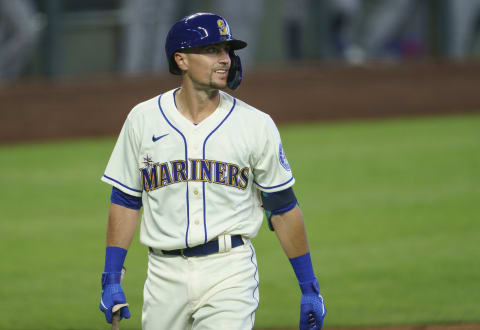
211,50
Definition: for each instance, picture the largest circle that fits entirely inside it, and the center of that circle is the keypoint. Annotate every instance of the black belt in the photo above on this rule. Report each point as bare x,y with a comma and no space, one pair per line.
201,250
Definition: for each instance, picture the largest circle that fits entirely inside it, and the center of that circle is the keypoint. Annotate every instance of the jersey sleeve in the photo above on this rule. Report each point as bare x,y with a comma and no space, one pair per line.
271,170
122,170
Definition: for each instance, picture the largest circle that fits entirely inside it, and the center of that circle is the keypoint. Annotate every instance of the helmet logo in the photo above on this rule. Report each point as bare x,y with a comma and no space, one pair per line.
222,28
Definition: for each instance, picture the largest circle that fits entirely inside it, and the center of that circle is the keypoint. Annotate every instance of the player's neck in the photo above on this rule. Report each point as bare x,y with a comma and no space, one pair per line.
196,105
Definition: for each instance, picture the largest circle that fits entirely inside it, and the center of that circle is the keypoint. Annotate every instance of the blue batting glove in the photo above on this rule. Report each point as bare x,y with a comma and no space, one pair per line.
112,294
312,308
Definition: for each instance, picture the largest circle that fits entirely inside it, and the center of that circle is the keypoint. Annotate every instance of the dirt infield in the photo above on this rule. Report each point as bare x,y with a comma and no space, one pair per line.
461,326
42,110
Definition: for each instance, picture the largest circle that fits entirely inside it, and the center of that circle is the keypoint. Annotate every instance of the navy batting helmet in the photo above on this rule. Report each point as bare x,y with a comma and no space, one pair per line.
203,29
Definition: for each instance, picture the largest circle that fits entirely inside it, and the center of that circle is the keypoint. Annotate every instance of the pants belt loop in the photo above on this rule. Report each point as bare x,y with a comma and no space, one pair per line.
224,243
228,243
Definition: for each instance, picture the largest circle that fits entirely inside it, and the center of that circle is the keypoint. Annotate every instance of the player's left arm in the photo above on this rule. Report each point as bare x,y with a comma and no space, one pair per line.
290,229
271,169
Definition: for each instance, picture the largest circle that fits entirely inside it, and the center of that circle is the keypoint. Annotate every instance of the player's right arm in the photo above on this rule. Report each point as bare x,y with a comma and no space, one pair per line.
126,198
122,223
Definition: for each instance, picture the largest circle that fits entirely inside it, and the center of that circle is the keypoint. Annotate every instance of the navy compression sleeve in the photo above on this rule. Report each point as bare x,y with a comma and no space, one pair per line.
120,198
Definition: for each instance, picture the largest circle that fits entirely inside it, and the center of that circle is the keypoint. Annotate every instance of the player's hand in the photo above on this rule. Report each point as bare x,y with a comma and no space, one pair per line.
312,308
112,294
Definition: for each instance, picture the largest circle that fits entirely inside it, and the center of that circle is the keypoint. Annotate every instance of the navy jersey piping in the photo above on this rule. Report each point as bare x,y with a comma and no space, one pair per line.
282,184
116,181
174,99
186,161
254,277
203,184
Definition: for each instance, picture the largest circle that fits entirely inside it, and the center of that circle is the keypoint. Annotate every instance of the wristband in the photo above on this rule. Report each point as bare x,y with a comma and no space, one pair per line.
114,259
303,268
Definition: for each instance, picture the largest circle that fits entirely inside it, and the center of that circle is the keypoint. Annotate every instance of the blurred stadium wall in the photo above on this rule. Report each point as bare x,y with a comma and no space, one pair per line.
84,36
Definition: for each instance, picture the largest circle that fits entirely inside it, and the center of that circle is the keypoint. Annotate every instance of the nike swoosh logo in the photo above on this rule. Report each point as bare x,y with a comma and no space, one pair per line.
155,139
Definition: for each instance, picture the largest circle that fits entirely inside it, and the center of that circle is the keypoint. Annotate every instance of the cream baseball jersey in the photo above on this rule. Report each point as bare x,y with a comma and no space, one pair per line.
198,181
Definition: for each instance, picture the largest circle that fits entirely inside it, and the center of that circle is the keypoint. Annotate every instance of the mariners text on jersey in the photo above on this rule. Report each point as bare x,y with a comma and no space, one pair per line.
158,175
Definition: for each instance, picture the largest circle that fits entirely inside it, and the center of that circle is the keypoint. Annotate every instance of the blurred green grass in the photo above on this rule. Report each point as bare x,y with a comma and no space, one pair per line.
391,209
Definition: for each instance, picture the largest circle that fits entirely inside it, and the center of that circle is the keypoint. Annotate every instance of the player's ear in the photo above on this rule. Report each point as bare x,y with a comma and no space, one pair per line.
181,60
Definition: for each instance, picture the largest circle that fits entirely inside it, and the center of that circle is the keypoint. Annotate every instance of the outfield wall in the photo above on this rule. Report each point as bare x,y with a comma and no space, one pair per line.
96,106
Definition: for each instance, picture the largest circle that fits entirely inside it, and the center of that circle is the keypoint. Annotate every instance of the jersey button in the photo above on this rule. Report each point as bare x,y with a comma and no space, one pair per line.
195,192
197,222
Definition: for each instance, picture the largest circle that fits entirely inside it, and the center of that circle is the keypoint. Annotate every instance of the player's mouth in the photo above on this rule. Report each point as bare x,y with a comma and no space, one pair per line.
221,72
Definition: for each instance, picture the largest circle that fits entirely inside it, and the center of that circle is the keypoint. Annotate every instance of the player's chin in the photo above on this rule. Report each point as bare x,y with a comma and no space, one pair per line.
219,80
218,84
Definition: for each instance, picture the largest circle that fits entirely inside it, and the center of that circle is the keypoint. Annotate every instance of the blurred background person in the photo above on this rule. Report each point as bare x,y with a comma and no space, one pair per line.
246,18
146,26
20,28
463,25
345,17
295,17
395,29
357,30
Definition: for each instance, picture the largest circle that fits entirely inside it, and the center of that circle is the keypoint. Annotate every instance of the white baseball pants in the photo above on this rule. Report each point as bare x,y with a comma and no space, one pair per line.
217,291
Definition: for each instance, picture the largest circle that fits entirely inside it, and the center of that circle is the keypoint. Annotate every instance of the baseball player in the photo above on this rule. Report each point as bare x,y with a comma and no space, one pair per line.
204,166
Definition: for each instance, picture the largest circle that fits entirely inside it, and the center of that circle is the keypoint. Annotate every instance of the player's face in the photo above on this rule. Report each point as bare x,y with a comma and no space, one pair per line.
208,65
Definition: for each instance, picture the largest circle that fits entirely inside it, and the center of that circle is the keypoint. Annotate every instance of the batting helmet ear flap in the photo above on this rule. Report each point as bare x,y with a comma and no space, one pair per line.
235,73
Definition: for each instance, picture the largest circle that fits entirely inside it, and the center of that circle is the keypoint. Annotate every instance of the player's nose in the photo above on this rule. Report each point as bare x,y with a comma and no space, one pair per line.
224,56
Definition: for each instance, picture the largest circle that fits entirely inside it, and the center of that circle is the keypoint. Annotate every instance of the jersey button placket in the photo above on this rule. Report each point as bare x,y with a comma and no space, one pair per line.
197,234
196,143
